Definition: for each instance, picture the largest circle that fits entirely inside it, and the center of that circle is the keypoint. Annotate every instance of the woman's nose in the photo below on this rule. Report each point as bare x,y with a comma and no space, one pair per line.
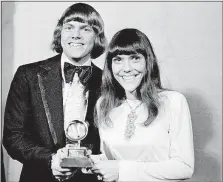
127,66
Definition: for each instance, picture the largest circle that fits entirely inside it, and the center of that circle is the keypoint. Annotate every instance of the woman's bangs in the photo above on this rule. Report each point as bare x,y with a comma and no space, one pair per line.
135,48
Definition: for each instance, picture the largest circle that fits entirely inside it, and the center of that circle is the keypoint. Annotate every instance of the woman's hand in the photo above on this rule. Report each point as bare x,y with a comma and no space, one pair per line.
59,172
108,169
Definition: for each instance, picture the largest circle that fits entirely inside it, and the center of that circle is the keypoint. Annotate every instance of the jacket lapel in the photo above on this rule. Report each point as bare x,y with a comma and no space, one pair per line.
50,83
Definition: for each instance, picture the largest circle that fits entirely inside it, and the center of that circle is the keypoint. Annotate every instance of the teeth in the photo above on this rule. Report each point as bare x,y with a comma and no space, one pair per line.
75,45
127,78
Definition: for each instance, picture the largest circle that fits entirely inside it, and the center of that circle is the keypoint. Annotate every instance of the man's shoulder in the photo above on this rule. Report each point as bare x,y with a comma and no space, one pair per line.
96,77
96,71
36,64
96,68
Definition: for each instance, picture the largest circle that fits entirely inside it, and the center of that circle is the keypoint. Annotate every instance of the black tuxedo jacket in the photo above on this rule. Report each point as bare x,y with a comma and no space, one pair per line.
33,128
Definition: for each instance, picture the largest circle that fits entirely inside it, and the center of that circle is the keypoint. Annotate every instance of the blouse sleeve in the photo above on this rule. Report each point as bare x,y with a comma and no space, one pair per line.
181,155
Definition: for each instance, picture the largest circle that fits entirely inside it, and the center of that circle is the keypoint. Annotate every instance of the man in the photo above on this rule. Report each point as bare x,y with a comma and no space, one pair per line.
45,96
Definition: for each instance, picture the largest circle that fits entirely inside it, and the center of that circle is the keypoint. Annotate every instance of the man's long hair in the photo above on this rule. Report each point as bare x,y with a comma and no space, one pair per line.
127,42
83,13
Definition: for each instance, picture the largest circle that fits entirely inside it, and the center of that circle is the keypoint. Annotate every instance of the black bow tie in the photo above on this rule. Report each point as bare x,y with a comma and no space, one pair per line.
84,72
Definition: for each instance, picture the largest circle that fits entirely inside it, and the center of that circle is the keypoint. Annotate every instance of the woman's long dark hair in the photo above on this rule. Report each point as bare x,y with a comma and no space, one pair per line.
127,42
83,13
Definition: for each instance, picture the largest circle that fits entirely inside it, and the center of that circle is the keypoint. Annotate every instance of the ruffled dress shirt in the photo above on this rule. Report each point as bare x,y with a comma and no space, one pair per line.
74,99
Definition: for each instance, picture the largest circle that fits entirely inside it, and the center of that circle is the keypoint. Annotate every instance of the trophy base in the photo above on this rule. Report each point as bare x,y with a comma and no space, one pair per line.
76,162
76,157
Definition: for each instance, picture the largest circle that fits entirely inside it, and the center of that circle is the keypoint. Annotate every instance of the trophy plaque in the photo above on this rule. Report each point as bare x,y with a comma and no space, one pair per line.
77,154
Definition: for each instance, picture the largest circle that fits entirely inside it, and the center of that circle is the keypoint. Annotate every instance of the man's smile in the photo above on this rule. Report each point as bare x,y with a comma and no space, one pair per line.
73,44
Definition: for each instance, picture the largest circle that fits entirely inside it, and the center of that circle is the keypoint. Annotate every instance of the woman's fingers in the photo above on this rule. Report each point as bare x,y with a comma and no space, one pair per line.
97,171
95,167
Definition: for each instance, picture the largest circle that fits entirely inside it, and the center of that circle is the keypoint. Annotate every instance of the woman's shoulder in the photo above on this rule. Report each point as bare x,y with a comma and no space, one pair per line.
171,94
172,97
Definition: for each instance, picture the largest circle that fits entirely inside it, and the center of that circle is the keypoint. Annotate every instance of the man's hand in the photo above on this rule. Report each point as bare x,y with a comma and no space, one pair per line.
108,169
59,172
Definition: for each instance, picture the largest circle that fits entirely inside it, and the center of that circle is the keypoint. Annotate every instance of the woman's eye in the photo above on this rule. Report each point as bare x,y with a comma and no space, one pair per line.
135,58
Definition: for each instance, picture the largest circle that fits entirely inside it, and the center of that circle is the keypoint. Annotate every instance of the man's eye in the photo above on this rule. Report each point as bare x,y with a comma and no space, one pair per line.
116,60
87,29
68,28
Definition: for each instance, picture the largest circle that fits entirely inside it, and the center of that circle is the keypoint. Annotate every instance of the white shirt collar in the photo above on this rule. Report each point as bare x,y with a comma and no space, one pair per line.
64,59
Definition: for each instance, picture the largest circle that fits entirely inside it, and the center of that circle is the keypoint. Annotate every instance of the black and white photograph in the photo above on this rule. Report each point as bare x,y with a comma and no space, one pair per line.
111,91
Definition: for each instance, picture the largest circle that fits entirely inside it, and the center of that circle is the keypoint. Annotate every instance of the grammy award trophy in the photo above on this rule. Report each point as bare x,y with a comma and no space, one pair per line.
77,154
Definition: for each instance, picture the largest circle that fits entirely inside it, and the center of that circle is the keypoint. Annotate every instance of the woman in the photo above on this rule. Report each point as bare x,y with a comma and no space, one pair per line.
146,132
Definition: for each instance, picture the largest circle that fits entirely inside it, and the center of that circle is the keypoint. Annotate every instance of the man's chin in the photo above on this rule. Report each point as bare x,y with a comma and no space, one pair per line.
77,57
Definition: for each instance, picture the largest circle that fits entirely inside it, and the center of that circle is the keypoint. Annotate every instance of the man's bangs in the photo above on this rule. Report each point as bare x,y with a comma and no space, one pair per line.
76,17
91,20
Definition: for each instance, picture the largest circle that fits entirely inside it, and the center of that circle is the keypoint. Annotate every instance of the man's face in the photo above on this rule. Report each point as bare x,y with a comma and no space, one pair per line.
77,40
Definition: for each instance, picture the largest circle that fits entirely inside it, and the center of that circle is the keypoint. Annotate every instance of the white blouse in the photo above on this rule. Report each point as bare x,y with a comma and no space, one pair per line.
162,151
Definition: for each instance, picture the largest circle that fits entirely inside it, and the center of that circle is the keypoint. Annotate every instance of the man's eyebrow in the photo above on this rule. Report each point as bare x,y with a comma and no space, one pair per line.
68,23
81,26
117,56
85,25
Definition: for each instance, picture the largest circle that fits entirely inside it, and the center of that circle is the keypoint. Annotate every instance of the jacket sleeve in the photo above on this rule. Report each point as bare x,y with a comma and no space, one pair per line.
180,164
17,137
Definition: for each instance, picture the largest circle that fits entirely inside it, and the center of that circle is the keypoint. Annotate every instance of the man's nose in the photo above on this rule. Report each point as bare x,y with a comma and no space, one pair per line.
76,34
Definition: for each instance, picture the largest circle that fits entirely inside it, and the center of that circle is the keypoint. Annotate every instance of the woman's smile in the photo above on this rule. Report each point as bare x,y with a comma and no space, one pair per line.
128,70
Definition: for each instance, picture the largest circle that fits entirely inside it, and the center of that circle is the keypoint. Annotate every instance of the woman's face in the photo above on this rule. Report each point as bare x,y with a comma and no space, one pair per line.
129,70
